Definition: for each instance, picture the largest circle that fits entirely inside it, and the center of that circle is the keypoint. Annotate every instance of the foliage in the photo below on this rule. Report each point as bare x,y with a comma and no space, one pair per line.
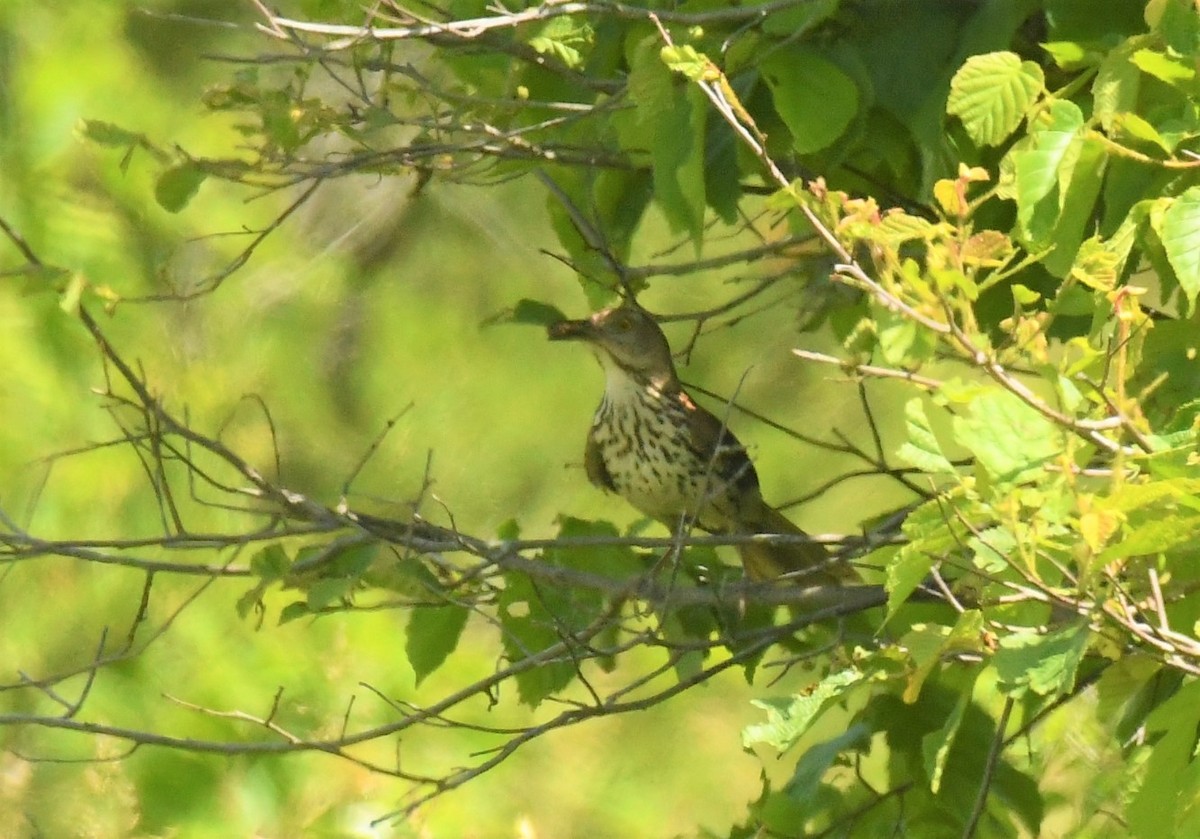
1005,223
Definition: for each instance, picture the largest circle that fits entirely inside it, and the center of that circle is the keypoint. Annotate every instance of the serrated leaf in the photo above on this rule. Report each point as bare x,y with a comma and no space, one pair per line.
814,98
991,94
1180,236
1007,436
922,449
177,186
788,719
433,633
1044,663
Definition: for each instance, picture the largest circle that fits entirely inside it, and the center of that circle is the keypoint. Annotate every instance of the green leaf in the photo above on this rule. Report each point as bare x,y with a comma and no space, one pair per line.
904,574
666,110
936,745
686,61
1044,663
1164,794
815,99
1115,89
1168,68
107,134
433,633
991,94
271,563
1008,437
928,644
564,37
177,186
793,21
326,592
1081,178
1180,235
1039,170
789,719
292,611
922,449
533,312
816,760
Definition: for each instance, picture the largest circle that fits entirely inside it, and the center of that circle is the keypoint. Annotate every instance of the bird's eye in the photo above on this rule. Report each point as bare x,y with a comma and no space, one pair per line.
624,324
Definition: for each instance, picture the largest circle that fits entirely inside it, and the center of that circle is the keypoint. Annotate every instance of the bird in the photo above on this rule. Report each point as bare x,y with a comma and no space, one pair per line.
674,461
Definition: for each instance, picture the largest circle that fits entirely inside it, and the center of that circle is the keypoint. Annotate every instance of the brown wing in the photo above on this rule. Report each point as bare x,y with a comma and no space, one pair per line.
593,462
715,443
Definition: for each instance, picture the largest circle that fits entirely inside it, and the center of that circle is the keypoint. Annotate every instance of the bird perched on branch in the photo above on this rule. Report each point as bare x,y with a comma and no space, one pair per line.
671,459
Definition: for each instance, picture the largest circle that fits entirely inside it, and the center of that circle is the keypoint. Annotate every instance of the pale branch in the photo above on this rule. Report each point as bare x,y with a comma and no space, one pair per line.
472,28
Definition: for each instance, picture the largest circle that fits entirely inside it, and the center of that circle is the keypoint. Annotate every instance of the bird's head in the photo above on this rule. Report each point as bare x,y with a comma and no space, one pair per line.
625,338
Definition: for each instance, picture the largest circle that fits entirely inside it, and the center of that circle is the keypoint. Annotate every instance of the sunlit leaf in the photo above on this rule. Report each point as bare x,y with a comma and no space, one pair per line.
1180,234
991,94
922,448
1044,663
814,97
1008,436
789,719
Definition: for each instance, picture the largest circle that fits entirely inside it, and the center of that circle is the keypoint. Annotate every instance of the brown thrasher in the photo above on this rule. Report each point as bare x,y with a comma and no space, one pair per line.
671,459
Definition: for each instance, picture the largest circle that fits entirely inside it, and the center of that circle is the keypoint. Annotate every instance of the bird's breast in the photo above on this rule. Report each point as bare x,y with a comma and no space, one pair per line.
644,441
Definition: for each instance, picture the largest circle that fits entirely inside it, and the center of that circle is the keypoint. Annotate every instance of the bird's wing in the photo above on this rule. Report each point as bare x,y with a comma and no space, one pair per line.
715,443
593,462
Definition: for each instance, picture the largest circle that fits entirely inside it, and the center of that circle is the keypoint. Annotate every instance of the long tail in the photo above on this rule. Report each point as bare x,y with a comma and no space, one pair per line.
764,561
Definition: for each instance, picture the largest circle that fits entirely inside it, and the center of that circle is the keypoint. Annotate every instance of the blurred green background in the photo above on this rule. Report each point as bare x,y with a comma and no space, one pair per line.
364,304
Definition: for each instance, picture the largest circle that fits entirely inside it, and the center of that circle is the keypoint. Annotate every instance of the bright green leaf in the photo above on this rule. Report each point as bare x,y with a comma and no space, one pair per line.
1168,68
1044,663
1039,169
686,61
922,449
1180,235
815,99
1007,436
1115,89
992,93
904,574
788,719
